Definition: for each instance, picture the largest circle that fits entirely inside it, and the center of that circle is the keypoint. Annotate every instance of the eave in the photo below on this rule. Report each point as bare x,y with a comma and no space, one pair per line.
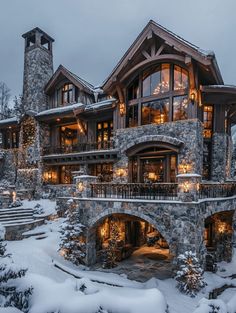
207,58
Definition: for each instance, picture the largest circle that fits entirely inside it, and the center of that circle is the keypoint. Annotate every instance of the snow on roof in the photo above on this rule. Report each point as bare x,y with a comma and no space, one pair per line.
98,105
61,109
9,120
82,81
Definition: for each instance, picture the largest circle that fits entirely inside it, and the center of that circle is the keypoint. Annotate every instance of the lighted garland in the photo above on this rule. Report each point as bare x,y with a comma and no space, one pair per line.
28,132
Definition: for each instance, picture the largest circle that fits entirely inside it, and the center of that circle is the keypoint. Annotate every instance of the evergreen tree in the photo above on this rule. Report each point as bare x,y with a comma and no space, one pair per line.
10,294
72,245
190,274
110,254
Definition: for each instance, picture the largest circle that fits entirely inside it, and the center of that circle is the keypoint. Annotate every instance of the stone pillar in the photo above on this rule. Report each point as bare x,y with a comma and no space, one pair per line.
220,155
120,170
83,185
188,187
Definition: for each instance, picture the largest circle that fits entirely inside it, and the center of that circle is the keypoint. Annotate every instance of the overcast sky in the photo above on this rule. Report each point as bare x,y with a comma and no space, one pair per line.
92,35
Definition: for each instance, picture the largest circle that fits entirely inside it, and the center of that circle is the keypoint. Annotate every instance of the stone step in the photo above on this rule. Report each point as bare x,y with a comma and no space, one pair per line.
17,222
16,214
16,218
14,210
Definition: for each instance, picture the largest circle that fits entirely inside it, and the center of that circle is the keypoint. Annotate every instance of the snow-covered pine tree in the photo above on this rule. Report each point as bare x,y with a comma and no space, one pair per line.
10,294
189,277
110,254
72,245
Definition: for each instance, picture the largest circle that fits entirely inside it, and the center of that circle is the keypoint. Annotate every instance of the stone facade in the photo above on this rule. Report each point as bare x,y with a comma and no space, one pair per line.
221,157
185,135
181,224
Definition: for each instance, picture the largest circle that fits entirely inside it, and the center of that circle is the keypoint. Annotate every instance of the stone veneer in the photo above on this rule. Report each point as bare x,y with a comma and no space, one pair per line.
185,135
181,224
221,157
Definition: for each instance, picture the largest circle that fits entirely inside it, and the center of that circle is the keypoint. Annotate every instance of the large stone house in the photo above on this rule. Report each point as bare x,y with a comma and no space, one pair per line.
150,147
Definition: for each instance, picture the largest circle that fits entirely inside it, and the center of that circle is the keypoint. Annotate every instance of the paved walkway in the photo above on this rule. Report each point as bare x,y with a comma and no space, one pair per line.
144,263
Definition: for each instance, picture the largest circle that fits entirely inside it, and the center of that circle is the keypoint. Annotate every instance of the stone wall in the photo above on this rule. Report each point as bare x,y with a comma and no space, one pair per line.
181,224
8,167
185,135
221,157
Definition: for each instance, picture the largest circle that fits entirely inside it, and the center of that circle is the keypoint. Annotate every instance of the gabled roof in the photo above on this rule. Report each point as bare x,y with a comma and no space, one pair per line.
76,80
206,58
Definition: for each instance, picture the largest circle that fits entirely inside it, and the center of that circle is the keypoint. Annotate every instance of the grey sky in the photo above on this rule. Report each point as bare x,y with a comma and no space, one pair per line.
92,35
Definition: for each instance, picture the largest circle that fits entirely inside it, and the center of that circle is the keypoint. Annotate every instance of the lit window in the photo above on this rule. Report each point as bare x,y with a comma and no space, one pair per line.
208,121
156,81
180,78
180,106
155,112
67,94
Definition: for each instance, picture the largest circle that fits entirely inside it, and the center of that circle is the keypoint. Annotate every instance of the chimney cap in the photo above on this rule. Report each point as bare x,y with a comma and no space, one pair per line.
37,30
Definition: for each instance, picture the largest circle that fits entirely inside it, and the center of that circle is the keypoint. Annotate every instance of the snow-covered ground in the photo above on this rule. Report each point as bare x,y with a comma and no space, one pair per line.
57,283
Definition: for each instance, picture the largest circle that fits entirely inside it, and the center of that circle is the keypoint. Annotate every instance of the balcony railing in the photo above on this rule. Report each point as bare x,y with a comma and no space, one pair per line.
159,191
217,190
80,147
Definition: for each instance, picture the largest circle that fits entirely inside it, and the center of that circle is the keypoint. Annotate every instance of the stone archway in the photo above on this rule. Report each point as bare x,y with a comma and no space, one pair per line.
94,223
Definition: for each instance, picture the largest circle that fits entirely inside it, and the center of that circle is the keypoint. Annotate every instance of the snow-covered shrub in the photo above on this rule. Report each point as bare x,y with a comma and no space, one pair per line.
189,276
72,245
38,209
11,294
16,203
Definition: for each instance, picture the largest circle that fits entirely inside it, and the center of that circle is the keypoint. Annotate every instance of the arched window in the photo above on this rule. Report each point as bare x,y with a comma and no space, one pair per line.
160,94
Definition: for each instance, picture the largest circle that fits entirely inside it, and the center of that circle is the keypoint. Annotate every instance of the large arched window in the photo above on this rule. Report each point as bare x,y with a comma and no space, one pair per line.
158,94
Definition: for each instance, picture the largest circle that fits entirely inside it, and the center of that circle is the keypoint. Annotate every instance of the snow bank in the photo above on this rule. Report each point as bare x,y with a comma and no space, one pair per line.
206,306
84,296
232,304
10,310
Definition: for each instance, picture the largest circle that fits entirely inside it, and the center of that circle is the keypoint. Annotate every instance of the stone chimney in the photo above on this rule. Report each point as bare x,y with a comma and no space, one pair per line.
38,68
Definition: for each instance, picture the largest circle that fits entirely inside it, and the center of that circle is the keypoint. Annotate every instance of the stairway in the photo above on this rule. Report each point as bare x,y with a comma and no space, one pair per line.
16,216
18,221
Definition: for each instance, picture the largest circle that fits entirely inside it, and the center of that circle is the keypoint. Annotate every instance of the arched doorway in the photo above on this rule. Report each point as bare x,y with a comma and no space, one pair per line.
152,162
219,235
141,251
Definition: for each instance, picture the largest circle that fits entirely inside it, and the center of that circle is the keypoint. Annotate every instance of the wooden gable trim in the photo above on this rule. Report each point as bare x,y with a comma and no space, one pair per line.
162,57
63,71
170,40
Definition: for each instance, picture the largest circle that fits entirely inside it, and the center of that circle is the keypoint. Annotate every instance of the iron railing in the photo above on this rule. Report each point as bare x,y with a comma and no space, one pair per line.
80,147
159,191
217,190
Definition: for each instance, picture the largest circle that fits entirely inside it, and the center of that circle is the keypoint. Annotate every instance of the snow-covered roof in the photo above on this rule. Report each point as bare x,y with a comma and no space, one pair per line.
82,81
11,120
63,109
99,105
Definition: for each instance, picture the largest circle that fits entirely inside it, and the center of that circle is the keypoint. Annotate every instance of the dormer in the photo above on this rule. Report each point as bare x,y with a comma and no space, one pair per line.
66,88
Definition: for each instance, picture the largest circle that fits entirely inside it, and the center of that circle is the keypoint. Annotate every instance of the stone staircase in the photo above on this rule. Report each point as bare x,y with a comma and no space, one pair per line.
17,221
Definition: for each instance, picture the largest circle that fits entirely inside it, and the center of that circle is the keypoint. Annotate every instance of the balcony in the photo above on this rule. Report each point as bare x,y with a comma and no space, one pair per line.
160,191
80,147
217,190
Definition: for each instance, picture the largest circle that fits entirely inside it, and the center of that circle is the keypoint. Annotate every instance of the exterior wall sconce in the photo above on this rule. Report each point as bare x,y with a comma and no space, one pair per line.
186,187
122,109
120,172
80,187
192,96
184,168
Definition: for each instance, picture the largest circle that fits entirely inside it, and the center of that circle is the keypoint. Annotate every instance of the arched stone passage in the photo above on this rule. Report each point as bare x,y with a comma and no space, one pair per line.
93,224
153,139
220,234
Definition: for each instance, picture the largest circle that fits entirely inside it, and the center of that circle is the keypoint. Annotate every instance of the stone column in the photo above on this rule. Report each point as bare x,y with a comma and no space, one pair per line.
83,185
188,187
219,157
